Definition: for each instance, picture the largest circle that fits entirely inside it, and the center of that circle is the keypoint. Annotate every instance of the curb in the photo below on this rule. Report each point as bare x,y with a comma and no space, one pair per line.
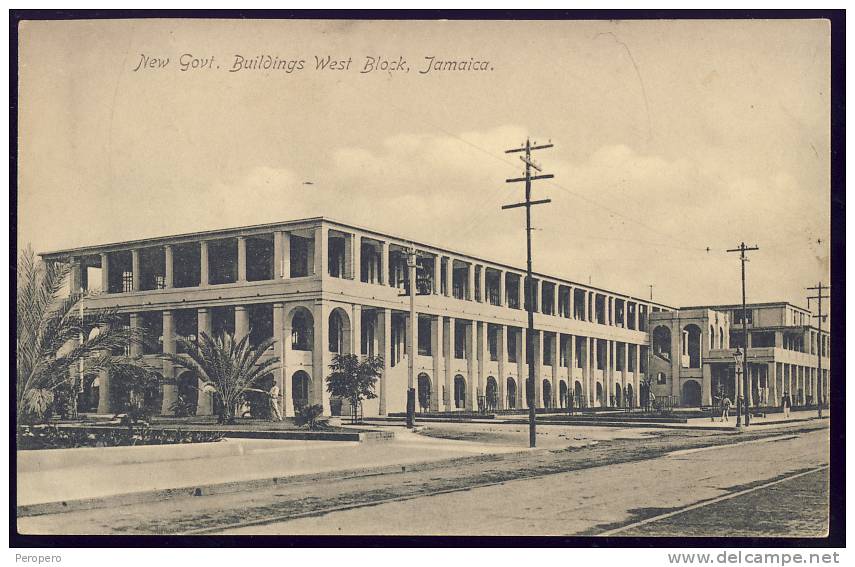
235,486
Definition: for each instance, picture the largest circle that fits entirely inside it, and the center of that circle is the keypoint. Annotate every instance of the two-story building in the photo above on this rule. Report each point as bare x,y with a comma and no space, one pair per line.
321,287
693,348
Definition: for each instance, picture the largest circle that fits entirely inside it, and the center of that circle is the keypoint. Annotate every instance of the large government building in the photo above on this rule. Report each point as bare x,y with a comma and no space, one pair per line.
320,287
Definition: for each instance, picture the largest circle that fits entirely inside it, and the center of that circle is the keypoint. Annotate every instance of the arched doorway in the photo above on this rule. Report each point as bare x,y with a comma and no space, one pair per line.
547,394
618,396
339,332
492,394
424,392
644,394
599,394
300,389
630,396
511,388
562,394
459,392
577,394
188,392
691,394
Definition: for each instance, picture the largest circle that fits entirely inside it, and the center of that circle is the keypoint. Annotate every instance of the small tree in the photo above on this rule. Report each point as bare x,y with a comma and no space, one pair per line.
353,379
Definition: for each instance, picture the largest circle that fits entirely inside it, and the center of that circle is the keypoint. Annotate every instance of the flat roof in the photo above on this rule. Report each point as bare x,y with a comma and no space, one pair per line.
747,305
226,232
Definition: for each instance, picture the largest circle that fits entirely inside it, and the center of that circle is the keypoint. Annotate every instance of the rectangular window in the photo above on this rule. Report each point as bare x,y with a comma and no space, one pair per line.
127,282
547,349
512,346
493,342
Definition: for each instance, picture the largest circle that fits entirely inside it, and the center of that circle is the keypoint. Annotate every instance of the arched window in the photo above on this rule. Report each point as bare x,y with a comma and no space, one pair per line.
692,346
712,337
302,330
661,339
336,342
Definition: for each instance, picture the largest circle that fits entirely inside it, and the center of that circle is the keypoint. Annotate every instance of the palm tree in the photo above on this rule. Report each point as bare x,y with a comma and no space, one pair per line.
231,367
53,339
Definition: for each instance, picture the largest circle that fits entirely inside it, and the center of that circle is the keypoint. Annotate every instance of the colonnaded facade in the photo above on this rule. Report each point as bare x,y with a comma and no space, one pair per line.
321,287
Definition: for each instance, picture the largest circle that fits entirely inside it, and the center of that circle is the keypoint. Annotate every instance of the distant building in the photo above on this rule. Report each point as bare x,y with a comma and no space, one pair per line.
693,353
320,287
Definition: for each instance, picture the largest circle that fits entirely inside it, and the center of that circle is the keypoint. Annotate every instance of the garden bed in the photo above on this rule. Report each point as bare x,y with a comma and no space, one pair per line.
40,437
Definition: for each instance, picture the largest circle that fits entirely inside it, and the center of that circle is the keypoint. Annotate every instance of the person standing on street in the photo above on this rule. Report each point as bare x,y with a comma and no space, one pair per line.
786,403
274,403
725,408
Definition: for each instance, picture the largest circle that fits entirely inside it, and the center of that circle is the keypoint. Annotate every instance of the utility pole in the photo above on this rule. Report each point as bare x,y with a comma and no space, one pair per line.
651,291
529,283
745,386
413,286
820,317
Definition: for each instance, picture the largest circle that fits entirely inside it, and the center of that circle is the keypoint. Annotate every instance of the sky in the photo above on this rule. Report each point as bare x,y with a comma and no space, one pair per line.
673,141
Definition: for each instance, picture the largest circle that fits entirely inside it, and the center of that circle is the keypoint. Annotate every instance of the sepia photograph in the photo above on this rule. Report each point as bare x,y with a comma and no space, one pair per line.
427,277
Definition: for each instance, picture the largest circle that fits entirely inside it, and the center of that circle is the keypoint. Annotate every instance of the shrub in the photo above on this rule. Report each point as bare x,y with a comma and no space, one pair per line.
52,437
309,417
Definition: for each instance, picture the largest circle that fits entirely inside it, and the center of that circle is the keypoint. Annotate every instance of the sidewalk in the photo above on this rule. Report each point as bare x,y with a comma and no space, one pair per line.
161,477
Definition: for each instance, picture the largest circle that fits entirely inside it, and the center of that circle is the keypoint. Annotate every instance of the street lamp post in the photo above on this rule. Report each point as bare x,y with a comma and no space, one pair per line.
739,358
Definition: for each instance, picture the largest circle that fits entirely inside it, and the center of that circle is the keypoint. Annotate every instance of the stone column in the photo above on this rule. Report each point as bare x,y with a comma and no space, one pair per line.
287,392
205,401
482,283
483,349
706,387
356,257
571,364
320,356
203,264
594,369
437,276
611,305
586,305
241,259
105,273
608,377
241,322
135,269
76,275
470,282
556,357
286,255
321,250
772,383
436,355
448,334
537,360
279,350
384,264
637,376
168,270
170,389
471,366
449,277
356,330
522,368
501,379
382,331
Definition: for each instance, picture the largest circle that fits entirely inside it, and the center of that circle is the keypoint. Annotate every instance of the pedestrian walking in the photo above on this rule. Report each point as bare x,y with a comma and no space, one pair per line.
725,408
786,402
